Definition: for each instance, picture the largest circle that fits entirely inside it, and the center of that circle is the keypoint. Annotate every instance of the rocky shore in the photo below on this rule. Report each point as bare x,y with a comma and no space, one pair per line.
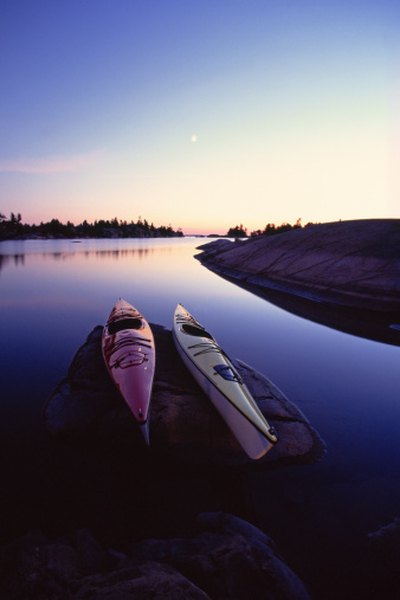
128,521
225,559
349,263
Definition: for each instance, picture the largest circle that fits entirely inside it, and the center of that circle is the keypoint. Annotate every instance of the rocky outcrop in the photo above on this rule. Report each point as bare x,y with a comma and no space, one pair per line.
385,543
146,503
229,559
225,558
184,427
350,263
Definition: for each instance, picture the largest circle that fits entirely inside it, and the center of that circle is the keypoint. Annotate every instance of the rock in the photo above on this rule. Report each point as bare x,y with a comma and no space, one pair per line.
184,424
225,559
229,559
148,580
90,555
41,570
297,439
351,263
217,247
385,542
384,561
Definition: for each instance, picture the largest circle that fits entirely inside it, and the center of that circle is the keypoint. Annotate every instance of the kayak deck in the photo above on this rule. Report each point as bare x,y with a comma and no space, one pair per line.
129,354
217,376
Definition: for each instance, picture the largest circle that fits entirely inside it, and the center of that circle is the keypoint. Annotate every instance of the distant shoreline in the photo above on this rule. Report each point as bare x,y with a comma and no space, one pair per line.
13,228
22,238
25,238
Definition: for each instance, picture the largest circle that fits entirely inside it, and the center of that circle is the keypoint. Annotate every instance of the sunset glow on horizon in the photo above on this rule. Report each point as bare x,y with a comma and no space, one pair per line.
200,115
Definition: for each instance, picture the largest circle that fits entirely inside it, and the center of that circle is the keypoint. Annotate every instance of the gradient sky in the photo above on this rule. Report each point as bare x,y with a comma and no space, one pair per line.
200,114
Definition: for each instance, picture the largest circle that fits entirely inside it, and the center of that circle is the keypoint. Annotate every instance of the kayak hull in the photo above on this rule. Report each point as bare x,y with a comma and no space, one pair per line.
217,376
129,354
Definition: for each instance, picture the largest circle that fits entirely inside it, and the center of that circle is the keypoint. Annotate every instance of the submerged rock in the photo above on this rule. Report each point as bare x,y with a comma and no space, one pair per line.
184,424
225,558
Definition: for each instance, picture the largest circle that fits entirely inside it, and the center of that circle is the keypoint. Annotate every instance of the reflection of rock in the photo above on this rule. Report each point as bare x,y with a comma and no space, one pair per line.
184,424
354,263
225,558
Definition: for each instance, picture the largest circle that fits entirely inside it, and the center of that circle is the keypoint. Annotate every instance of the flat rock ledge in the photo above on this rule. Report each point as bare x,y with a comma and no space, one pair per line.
225,558
347,263
184,426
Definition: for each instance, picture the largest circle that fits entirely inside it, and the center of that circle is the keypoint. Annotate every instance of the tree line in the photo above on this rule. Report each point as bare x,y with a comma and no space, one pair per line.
239,231
14,228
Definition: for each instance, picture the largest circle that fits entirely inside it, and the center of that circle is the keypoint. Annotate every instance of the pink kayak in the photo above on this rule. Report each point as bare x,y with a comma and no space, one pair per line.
129,354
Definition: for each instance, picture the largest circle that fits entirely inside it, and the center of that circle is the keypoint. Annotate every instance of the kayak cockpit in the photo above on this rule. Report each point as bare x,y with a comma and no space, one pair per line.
130,323
197,331
228,373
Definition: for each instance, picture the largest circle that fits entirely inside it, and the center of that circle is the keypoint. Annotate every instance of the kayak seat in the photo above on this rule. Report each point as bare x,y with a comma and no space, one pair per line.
193,330
124,324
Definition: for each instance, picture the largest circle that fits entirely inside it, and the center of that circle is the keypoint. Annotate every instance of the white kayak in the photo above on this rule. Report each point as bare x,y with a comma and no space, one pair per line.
221,382
129,354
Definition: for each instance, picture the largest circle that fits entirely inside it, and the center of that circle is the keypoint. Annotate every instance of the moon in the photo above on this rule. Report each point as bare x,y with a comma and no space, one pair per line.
193,138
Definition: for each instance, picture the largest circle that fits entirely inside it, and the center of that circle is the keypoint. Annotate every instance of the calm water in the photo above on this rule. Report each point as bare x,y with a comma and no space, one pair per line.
54,292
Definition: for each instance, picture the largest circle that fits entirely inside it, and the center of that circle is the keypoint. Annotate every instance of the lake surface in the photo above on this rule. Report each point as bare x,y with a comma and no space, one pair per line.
53,293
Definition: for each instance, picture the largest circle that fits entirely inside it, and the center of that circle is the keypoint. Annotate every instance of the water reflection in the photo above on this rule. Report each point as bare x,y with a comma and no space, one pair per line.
16,259
372,325
89,276
19,260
